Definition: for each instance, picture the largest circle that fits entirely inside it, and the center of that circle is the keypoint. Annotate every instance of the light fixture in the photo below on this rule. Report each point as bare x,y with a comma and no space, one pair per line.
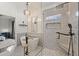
68,13
26,11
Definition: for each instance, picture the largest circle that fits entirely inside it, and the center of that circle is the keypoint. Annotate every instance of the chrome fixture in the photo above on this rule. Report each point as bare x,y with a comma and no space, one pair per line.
26,11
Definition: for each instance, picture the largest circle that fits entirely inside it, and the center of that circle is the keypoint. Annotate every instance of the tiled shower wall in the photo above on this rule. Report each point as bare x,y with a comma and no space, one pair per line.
70,16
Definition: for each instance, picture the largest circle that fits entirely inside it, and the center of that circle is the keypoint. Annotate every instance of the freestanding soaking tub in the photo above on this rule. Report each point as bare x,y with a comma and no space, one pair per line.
32,43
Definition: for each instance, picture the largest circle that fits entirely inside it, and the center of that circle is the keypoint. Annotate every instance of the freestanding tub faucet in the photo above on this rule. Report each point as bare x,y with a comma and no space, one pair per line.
71,39
26,51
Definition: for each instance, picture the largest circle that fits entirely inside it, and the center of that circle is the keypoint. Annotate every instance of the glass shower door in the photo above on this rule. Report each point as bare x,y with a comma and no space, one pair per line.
55,20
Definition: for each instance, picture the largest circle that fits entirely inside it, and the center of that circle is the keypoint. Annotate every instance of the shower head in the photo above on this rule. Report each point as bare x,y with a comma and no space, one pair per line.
70,26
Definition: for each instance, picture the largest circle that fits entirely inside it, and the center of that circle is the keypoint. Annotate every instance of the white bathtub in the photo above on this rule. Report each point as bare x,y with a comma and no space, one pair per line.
32,43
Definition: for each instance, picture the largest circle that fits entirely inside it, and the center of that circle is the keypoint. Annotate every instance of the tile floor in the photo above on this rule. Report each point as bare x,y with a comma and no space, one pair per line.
19,51
49,52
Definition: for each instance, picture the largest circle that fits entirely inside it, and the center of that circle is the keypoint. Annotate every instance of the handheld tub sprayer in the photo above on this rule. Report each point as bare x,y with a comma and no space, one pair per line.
71,39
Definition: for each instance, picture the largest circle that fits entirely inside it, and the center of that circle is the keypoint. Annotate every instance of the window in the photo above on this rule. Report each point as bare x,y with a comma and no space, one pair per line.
54,18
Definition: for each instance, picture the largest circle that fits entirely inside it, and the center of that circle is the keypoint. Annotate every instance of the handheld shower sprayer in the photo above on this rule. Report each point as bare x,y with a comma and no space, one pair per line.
71,40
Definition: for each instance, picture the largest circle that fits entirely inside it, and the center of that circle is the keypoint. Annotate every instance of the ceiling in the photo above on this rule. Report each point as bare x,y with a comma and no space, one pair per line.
46,5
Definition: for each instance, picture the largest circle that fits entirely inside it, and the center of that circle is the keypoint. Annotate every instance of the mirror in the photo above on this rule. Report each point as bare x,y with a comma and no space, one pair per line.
7,27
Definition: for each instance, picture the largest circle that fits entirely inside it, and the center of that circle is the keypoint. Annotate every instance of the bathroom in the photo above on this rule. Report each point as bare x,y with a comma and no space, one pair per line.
40,22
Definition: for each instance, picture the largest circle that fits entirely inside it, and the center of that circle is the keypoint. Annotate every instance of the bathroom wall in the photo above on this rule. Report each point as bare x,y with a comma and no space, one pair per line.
5,24
15,9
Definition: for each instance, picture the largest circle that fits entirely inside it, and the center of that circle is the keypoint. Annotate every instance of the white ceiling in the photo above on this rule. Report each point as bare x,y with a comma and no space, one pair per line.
46,5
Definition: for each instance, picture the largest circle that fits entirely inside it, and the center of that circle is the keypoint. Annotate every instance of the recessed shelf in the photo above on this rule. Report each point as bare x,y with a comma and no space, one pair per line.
23,25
